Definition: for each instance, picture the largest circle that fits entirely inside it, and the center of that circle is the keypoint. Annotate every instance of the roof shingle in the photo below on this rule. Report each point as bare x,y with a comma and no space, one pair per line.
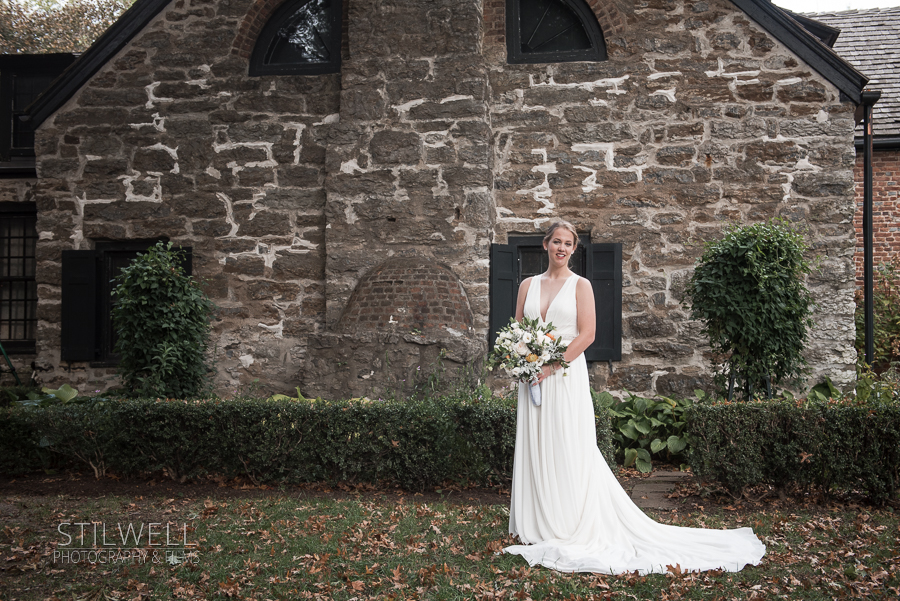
870,41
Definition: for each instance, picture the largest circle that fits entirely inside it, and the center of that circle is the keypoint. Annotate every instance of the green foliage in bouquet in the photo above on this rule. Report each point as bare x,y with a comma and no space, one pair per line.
646,429
162,319
523,347
748,292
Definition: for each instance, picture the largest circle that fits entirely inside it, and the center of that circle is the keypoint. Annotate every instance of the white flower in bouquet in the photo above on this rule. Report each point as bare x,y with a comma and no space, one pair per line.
522,349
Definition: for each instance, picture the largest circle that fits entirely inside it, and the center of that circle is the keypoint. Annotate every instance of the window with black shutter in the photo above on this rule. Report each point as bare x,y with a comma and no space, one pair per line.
88,279
18,287
552,31
303,37
601,263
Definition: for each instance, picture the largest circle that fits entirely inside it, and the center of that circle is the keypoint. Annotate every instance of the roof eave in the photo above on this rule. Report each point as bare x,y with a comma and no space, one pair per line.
806,46
88,64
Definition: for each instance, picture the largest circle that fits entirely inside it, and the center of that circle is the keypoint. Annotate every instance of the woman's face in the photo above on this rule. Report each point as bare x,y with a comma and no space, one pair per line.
560,247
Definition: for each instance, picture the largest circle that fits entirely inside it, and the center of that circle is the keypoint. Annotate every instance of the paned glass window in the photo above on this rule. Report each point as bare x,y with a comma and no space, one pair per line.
23,77
18,288
301,37
549,31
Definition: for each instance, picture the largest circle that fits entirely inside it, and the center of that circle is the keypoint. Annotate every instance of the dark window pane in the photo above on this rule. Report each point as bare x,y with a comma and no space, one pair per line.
18,289
303,38
550,26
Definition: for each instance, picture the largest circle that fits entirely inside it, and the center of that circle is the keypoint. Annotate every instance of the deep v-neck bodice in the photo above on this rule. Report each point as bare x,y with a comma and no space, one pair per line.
561,311
540,280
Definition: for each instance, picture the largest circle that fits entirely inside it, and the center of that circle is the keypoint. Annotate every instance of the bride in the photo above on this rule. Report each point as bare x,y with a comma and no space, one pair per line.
567,508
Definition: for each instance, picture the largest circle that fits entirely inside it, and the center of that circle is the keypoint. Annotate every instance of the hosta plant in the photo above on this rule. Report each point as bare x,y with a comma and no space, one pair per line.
646,429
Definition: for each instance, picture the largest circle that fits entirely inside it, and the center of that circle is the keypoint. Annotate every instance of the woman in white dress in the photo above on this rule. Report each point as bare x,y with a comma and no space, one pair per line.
567,508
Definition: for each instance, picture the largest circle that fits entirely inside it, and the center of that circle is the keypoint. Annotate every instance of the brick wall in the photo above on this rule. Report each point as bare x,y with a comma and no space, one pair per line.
885,208
406,295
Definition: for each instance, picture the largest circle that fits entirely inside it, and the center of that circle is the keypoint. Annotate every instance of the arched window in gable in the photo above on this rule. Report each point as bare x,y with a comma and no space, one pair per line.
303,37
552,31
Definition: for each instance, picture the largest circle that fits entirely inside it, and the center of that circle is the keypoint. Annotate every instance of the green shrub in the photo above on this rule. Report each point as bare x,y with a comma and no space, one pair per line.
838,445
415,444
747,289
886,313
645,429
161,318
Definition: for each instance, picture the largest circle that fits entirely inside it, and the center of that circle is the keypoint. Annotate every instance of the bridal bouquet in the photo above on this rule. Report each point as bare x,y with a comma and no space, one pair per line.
523,348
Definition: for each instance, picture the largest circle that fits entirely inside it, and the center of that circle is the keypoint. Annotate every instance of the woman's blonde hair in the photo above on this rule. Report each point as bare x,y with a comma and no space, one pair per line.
564,225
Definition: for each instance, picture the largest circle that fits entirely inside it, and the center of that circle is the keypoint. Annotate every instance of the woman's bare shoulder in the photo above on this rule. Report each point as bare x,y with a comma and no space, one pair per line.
584,285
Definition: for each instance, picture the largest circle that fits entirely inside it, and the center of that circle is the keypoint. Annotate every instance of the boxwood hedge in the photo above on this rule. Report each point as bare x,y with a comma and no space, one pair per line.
414,444
836,445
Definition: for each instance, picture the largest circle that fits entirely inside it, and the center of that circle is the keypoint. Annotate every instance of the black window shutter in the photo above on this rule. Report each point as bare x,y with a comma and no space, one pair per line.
604,270
187,259
504,287
79,305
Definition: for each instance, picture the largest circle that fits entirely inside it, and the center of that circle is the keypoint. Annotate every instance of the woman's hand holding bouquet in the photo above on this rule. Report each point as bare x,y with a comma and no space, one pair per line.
522,349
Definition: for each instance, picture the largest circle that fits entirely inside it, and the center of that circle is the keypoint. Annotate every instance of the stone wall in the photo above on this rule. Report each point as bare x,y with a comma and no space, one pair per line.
429,146
698,119
173,139
885,209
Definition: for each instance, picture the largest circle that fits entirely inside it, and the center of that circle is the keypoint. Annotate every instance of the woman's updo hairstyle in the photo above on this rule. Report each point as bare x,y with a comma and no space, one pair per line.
564,225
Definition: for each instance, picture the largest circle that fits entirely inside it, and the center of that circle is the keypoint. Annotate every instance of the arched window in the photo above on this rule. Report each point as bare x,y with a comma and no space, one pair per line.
552,31
303,37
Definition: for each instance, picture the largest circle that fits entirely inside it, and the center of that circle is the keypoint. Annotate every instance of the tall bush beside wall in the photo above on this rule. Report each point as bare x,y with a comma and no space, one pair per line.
748,292
162,320
886,310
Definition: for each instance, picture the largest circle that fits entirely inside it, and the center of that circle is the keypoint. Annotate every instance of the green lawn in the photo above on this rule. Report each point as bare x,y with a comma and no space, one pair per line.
287,546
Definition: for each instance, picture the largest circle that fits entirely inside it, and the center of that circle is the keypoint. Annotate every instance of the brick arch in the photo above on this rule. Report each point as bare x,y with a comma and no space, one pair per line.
405,294
610,18
253,22
257,17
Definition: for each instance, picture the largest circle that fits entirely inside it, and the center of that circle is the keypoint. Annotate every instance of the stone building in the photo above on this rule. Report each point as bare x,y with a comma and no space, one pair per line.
361,181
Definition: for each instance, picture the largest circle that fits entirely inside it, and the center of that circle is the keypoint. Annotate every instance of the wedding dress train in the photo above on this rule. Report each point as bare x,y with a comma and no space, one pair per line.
567,507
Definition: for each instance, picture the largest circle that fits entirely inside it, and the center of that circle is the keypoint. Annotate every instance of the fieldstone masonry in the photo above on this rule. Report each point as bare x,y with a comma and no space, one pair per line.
294,191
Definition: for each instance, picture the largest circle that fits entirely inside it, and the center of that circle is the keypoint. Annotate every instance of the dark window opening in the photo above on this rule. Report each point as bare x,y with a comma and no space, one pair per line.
18,287
23,77
552,31
87,300
303,37
600,263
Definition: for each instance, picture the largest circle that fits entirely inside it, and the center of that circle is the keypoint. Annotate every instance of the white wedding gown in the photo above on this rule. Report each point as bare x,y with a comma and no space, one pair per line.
567,507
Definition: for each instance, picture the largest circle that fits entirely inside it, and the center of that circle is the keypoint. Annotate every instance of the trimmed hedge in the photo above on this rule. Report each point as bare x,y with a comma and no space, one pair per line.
415,444
839,446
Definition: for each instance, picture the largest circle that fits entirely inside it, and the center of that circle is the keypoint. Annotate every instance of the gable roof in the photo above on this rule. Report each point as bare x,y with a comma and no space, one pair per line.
870,41
102,50
773,19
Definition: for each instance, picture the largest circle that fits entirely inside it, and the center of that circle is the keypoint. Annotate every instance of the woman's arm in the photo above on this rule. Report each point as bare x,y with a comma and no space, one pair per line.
587,320
520,300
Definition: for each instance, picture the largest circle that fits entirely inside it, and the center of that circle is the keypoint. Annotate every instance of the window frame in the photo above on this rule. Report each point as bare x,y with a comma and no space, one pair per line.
19,161
602,267
28,211
267,36
585,15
